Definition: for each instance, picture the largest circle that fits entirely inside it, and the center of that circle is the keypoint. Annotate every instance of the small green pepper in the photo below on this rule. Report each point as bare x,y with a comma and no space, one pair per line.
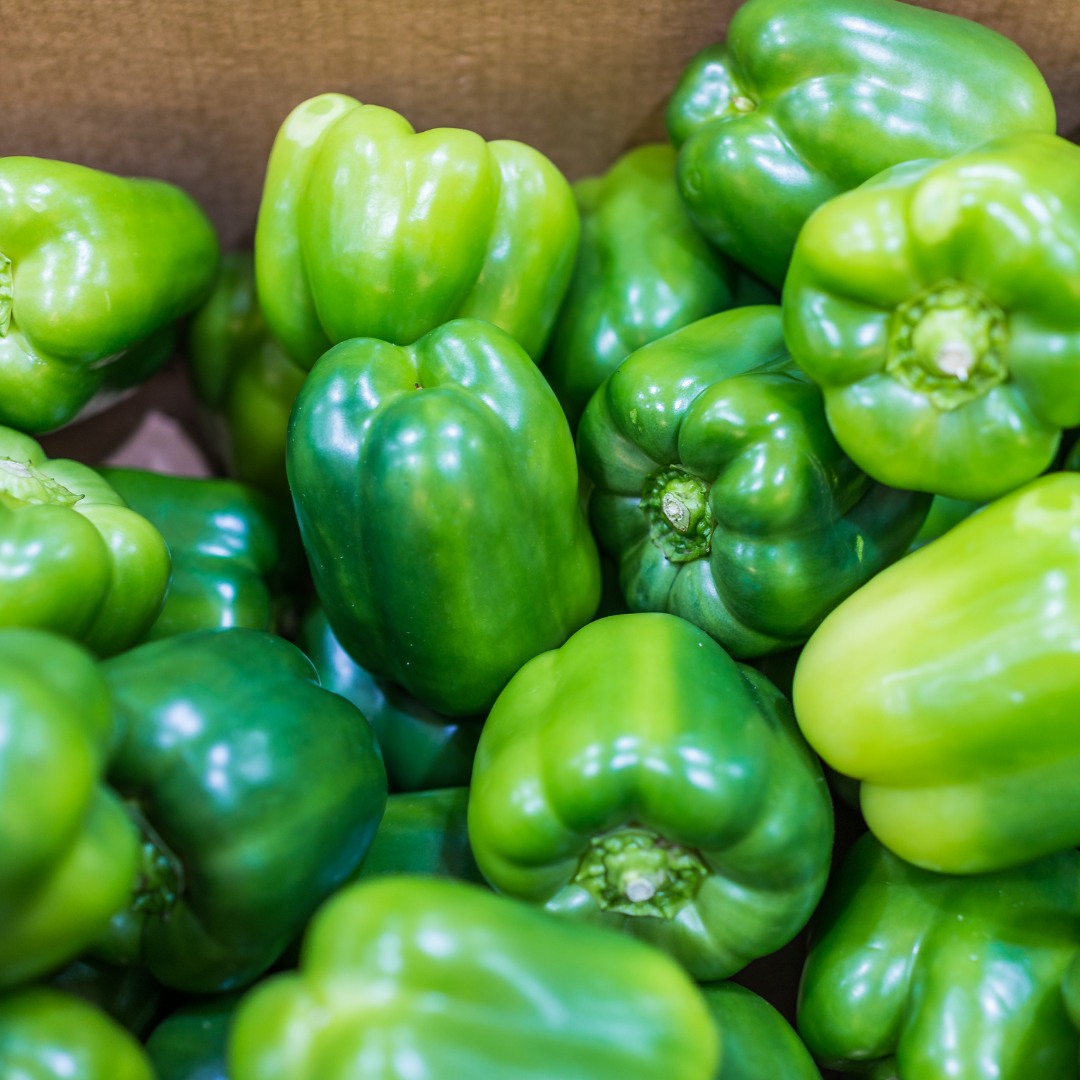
191,1043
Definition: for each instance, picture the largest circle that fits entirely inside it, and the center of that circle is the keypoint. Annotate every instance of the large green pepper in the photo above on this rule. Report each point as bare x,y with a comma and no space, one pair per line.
437,492
642,271
68,851
367,229
809,98
420,748
722,493
191,1044
94,269
47,1035
422,977
756,1042
948,686
937,310
260,794
73,557
638,778
231,549
933,977
243,378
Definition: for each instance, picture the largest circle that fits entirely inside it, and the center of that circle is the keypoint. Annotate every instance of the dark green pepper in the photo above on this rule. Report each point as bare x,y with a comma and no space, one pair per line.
420,748
437,492
191,1043
243,378
130,995
722,492
809,98
259,792
94,269
638,778
231,549
944,514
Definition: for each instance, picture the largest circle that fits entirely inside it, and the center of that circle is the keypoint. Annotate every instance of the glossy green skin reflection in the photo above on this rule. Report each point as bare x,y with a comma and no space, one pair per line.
947,685
265,789
797,526
436,488
368,229
972,228
642,271
959,977
47,1035
460,983
420,748
73,557
644,721
191,1043
94,269
67,848
243,378
230,547
809,98
757,1043
423,832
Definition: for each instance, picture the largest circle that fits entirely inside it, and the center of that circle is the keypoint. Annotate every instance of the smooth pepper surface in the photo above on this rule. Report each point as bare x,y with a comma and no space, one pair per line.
94,270
443,979
935,306
260,793
722,493
809,98
935,977
947,686
436,488
191,1043
370,229
637,778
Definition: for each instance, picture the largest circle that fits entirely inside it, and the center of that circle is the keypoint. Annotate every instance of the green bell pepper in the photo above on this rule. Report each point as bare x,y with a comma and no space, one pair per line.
68,851
47,1035
93,272
437,492
945,514
243,379
722,493
191,1043
756,1042
642,271
420,748
130,995
947,685
637,778
937,310
367,229
809,98
260,793
410,976
233,549
73,557
933,977
423,832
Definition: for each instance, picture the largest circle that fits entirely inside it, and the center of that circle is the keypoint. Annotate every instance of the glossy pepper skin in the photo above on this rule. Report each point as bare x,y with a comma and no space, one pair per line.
642,271
73,557
368,229
243,378
757,1043
68,851
637,778
420,748
947,685
191,1044
936,310
461,983
231,549
722,493
94,269
809,98
935,977
436,488
261,792
47,1035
